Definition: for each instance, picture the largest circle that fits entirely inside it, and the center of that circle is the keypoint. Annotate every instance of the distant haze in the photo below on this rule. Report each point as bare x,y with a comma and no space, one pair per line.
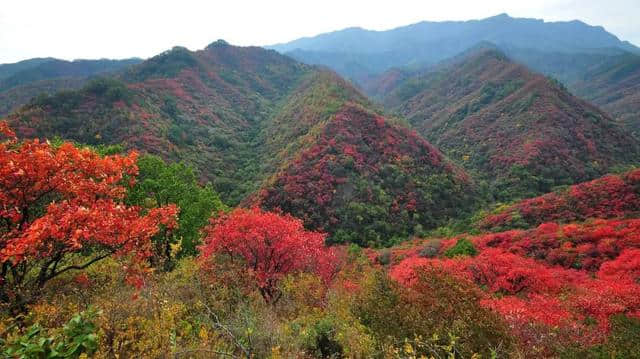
70,29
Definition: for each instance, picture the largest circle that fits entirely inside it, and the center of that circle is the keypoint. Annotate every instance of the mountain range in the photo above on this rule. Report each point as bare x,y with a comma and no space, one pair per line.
521,131
452,120
591,62
357,53
268,130
450,190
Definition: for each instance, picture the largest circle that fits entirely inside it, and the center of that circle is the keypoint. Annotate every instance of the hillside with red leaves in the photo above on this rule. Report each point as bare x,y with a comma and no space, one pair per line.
562,282
607,197
368,181
615,86
522,132
221,109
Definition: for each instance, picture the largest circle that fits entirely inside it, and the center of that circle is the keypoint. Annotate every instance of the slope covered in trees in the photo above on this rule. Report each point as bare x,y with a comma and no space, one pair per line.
7,70
22,81
556,286
522,132
614,85
232,112
594,64
605,77
13,98
54,68
607,197
367,181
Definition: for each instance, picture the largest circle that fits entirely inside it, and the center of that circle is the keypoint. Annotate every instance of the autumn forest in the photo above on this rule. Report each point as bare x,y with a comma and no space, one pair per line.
440,190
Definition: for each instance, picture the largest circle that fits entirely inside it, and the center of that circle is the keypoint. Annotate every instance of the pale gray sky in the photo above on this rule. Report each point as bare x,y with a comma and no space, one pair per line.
71,29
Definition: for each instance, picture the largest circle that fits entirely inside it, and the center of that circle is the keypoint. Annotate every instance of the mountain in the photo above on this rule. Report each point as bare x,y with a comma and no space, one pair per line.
54,68
593,64
13,98
7,70
614,86
235,113
522,132
357,53
268,130
22,81
608,78
364,179
378,86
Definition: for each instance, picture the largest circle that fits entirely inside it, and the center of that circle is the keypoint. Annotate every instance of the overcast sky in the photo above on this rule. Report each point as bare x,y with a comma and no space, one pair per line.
72,29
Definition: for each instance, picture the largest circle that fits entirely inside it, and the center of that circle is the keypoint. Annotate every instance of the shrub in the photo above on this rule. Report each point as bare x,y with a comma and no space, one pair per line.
384,258
78,336
430,250
436,304
161,184
622,342
463,247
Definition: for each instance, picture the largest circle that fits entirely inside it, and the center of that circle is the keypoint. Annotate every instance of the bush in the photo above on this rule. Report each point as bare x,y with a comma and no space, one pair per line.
430,250
384,258
321,341
160,184
77,337
622,342
463,247
437,304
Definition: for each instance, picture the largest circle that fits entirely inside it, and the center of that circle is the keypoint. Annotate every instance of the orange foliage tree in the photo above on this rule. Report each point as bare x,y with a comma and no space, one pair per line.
61,209
270,245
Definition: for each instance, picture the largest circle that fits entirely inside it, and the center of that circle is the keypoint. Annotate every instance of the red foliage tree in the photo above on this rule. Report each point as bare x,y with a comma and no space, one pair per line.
61,209
5,130
270,245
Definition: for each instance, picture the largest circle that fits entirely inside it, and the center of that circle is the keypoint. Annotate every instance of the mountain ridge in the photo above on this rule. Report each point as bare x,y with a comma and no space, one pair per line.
25,80
357,53
210,107
497,118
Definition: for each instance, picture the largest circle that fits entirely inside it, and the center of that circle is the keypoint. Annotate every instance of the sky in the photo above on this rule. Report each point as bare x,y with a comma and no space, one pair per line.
72,29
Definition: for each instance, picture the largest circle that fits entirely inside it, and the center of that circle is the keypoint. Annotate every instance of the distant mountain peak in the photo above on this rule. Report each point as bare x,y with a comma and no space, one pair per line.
359,54
216,44
503,15
484,49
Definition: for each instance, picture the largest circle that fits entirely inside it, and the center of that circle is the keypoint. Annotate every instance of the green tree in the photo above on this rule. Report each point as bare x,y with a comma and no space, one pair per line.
463,247
160,184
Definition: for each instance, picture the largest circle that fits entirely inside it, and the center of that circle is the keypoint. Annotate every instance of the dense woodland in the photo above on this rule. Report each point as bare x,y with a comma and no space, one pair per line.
234,202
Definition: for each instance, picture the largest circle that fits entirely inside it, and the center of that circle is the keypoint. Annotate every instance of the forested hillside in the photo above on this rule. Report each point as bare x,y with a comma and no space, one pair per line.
522,132
364,180
225,109
25,80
